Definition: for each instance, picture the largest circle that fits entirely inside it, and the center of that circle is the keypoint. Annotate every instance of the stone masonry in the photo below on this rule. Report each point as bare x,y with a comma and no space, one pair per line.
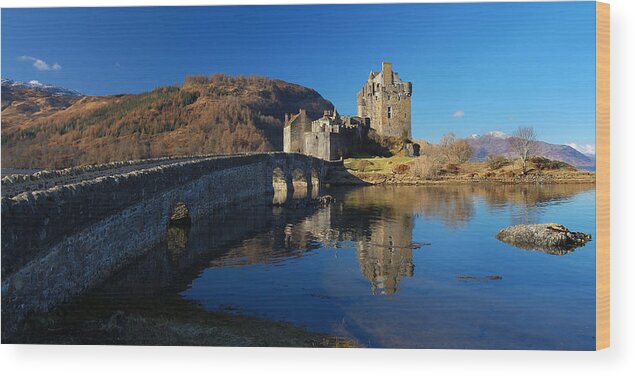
63,238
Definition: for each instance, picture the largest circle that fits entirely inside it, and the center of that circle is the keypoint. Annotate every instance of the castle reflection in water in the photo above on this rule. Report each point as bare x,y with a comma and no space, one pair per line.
378,222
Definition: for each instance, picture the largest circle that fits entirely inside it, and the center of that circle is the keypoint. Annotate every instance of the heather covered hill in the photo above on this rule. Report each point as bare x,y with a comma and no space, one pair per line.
206,115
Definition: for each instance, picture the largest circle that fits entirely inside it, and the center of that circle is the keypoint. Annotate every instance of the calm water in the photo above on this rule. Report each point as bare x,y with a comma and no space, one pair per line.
381,266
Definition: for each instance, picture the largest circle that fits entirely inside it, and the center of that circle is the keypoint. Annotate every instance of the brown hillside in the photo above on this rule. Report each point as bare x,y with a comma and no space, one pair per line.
21,105
206,115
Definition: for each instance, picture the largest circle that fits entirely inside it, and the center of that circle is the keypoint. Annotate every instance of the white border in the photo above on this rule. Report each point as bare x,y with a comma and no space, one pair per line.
619,359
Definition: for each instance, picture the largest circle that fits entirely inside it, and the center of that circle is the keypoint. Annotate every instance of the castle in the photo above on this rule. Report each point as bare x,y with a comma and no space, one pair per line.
383,105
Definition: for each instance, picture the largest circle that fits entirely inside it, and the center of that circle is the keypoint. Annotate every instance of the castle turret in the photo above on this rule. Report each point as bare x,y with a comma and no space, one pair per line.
385,99
386,72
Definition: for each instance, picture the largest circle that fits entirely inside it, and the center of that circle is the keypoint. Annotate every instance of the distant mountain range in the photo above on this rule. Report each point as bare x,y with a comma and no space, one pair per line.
497,143
52,90
24,102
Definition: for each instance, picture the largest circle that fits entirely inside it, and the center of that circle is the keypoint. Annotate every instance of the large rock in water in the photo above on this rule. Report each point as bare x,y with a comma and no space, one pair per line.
549,238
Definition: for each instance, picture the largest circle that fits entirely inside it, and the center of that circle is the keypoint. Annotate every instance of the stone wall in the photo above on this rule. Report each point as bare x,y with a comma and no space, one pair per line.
318,144
58,242
332,136
293,134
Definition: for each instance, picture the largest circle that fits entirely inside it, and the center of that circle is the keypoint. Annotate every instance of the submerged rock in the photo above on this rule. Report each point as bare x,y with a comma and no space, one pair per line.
550,238
324,201
479,278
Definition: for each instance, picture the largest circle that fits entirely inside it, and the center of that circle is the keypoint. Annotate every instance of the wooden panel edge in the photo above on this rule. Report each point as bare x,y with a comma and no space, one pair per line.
603,176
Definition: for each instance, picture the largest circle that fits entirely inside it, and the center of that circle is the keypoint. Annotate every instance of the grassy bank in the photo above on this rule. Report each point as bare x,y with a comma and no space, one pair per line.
418,170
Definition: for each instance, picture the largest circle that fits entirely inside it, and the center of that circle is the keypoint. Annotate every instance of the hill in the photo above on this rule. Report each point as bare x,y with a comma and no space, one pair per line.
497,143
26,101
205,115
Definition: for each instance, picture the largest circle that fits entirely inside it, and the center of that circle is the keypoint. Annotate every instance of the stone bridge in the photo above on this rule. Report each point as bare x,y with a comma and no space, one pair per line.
65,231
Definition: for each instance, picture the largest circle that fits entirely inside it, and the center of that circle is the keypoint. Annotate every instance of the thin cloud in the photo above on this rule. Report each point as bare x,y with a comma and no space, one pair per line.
40,64
585,149
458,114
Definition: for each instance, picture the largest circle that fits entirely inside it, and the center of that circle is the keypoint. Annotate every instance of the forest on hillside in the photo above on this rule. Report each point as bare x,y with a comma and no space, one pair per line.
214,114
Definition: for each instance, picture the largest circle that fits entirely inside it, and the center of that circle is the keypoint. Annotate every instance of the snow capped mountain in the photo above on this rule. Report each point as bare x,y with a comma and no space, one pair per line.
35,84
496,143
498,134
495,134
588,149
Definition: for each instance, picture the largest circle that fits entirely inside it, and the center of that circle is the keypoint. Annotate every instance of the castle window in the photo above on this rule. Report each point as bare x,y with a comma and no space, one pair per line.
389,112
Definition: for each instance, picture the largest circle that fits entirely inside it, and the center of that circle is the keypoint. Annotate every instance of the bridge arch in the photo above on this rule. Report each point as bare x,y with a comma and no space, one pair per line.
301,183
178,230
280,185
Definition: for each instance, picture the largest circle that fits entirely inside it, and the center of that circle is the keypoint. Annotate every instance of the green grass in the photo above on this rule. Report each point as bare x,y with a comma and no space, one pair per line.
378,164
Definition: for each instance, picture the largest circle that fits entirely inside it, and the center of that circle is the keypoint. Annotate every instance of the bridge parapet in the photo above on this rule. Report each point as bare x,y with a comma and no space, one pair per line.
42,180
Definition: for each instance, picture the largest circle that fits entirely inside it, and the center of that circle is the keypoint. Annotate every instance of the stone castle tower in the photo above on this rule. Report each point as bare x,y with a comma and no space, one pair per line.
385,99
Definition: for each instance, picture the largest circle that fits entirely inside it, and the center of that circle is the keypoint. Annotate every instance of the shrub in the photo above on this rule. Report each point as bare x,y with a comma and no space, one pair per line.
543,163
363,165
400,169
429,149
426,167
453,168
196,80
494,162
455,150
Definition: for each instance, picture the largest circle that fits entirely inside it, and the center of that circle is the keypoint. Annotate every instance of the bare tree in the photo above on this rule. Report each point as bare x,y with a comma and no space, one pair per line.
446,145
463,151
455,150
522,143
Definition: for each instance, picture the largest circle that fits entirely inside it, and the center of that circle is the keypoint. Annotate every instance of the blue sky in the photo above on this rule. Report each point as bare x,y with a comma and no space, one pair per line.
475,67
